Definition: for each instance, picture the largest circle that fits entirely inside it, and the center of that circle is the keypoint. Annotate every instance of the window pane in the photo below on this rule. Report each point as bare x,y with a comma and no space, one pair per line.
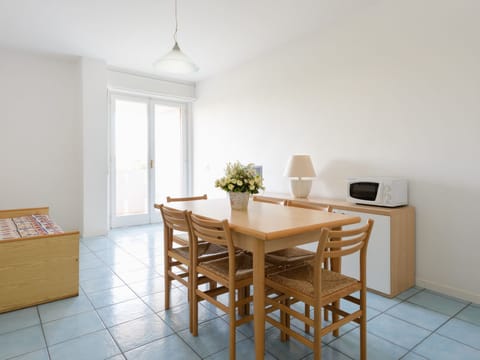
168,152
131,150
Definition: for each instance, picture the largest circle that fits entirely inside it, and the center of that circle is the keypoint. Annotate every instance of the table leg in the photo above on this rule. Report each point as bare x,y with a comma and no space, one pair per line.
259,298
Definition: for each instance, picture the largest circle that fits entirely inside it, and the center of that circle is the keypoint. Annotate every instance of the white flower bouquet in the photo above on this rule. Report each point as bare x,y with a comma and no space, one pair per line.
240,178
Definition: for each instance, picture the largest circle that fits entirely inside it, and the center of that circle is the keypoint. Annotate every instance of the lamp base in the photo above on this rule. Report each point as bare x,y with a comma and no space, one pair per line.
300,188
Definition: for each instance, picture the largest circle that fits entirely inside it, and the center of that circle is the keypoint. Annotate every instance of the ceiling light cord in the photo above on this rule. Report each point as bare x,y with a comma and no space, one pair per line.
176,23
175,62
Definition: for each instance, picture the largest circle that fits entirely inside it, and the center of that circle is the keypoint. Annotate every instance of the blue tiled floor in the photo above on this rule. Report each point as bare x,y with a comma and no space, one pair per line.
120,314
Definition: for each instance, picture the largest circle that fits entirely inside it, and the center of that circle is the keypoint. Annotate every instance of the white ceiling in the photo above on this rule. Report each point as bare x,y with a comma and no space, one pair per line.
131,35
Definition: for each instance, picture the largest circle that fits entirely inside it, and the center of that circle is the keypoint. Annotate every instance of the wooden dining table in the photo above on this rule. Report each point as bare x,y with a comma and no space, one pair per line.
264,228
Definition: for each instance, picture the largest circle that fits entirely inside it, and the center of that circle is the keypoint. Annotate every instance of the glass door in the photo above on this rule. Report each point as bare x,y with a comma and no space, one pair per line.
149,157
169,144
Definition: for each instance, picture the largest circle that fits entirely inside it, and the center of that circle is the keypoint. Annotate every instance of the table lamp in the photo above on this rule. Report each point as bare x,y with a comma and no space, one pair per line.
300,171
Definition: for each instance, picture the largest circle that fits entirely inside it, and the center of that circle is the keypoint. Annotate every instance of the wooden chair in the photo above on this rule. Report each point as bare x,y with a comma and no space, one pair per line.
295,255
181,238
177,260
323,288
234,275
270,200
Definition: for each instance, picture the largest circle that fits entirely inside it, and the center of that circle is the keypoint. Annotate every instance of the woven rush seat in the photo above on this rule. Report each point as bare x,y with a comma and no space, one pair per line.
301,279
206,251
289,256
243,266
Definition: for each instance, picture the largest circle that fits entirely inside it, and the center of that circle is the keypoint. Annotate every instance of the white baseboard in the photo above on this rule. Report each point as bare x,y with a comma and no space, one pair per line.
450,291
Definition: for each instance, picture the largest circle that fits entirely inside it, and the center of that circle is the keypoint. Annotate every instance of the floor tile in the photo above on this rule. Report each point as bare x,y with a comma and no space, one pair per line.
288,350
97,243
434,301
123,312
471,314
170,347
133,276
19,319
413,356
245,349
115,255
329,353
380,303
462,331
139,332
95,285
377,348
62,308
157,301
213,336
427,319
89,261
35,355
111,296
22,341
128,266
408,293
147,287
103,271
397,331
71,327
177,317
438,347
117,357
94,346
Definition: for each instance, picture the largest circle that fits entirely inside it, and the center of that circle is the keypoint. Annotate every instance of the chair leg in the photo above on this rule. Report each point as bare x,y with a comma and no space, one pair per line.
317,327
336,305
232,305
285,321
241,295
363,326
167,282
307,314
247,305
194,304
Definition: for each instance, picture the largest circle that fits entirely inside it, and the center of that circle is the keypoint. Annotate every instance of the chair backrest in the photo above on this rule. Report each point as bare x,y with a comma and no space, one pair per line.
214,232
270,200
308,205
210,230
189,198
337,243
174,219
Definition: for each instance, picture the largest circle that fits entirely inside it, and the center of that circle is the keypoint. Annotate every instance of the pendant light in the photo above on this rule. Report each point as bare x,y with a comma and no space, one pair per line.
175,61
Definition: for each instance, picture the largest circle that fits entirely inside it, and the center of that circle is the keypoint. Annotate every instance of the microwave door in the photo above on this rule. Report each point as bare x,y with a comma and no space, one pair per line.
366,191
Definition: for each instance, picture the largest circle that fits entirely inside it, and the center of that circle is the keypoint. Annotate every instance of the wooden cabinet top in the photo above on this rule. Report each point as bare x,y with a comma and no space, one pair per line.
344,205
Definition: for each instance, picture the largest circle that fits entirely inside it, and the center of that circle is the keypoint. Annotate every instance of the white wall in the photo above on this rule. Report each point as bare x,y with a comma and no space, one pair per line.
54,134
390,91
40,135
95,147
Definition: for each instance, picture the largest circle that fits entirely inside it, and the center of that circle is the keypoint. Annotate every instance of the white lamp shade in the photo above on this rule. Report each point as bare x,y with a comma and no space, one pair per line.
175,62
300,166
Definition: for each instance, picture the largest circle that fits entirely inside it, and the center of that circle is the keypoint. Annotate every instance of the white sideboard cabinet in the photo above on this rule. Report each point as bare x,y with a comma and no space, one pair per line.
391,248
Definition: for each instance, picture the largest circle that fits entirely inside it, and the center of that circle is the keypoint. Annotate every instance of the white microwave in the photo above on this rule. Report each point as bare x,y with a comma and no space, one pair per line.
379,191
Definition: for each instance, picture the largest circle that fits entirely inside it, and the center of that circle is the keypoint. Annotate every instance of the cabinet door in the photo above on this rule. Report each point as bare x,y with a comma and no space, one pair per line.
378,253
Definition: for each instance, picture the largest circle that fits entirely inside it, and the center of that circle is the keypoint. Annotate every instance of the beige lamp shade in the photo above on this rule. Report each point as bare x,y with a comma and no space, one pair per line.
300,166
300,170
